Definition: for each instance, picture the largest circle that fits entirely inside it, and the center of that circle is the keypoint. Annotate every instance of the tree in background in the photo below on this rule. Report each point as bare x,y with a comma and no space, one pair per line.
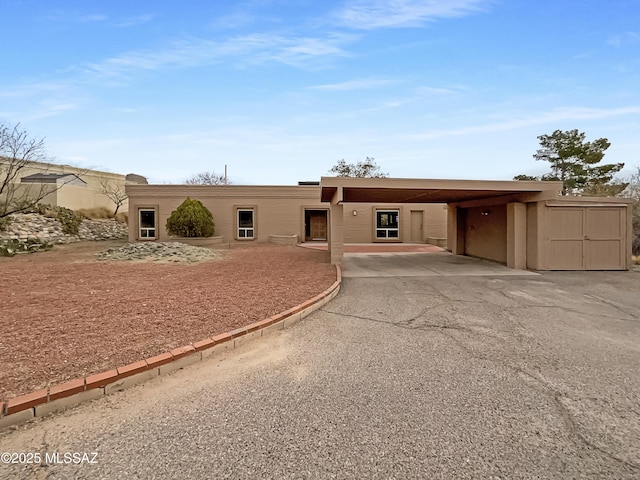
633,191
17,151
363,169
207,178
575,162
113,192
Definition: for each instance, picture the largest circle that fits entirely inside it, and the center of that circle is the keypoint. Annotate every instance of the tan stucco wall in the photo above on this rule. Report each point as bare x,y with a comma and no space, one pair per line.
71,196
486,235
534,241
360,228
279,210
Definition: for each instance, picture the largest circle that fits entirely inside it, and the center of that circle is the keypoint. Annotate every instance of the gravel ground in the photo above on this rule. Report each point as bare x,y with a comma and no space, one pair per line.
397,378
64,314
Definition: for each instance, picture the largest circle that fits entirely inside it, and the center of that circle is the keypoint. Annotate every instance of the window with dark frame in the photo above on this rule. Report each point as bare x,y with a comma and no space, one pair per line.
147,224
387,223
245,223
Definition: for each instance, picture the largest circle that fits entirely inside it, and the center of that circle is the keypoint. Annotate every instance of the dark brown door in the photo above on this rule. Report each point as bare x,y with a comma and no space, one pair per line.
318,226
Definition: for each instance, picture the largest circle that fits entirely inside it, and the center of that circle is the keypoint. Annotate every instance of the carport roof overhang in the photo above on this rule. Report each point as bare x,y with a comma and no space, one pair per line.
412,190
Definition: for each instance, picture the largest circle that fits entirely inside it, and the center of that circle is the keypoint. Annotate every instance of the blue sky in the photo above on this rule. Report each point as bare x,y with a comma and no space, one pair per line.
279,90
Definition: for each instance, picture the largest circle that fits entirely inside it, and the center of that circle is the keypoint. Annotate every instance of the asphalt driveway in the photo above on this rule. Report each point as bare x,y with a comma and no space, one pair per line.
431,376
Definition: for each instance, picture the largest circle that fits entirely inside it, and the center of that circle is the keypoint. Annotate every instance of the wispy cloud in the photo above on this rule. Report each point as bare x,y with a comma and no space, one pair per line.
553,116
134,21
33,89
360,84
91,18
624,39
234,20
430,92
50,109
370,14
258,48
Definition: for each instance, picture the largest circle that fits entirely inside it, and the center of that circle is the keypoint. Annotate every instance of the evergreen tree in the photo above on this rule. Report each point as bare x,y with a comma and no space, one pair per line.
574,161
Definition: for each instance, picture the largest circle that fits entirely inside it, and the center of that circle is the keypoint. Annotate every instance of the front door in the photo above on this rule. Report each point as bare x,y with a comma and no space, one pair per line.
316,228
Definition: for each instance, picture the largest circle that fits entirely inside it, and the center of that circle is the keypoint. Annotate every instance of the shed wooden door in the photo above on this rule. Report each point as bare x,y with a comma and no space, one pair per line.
586,238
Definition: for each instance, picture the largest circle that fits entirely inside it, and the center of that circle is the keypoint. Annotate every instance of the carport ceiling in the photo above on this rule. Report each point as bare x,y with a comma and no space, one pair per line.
395,190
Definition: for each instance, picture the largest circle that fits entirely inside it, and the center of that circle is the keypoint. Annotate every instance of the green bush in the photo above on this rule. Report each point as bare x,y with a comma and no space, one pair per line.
70,220
31,245
191,219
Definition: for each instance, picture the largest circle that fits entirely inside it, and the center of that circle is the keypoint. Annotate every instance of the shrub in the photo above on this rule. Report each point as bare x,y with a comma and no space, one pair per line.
45,210
122,217
191,219
31,245
70,220
96,213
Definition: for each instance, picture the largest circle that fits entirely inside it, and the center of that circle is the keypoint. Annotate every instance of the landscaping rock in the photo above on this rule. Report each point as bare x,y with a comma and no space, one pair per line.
33,229
164,252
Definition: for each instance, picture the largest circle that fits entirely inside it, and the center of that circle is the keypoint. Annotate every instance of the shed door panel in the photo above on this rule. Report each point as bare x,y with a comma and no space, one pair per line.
566,238
604,239
586,238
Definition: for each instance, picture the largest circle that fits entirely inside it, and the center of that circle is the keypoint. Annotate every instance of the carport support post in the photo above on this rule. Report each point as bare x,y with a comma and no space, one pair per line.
517,235
336,234
455,230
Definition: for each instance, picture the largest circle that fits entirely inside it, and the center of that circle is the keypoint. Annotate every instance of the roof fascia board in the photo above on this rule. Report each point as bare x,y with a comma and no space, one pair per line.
223,191
442,184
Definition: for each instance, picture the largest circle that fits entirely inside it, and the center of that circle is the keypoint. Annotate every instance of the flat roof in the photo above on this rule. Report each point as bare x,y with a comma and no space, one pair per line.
416,190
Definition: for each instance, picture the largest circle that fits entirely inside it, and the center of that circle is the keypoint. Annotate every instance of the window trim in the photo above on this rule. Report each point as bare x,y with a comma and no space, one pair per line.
238,228
387,230
147,229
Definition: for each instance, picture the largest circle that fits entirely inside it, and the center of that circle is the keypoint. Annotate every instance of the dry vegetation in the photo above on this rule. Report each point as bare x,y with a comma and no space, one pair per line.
102,213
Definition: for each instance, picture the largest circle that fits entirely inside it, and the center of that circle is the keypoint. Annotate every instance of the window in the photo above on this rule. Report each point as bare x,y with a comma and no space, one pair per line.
245,223
147,224
387,223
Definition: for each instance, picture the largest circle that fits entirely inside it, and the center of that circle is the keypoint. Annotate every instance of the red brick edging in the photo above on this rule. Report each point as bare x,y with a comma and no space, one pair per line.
73,392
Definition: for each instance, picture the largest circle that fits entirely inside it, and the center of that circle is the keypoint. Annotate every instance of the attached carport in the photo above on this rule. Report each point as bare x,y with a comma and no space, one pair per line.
522,224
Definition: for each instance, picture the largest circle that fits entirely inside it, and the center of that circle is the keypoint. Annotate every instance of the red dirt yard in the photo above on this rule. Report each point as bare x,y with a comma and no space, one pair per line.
64,314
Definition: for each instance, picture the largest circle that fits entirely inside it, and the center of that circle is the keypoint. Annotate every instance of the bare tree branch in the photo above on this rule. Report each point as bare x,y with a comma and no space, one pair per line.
17,152
207,178
114,192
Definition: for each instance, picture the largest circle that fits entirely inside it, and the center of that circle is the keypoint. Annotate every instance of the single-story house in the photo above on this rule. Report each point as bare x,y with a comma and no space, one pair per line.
522,224
260,213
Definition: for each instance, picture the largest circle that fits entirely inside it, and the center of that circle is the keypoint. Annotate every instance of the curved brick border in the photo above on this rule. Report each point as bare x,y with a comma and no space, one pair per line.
59,397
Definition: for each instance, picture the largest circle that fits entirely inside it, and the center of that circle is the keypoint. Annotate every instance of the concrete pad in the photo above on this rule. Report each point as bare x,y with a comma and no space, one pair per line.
16,418
272,328
445,264
246,338
180,363
216,349
68,402
309,310
128,382
292,320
